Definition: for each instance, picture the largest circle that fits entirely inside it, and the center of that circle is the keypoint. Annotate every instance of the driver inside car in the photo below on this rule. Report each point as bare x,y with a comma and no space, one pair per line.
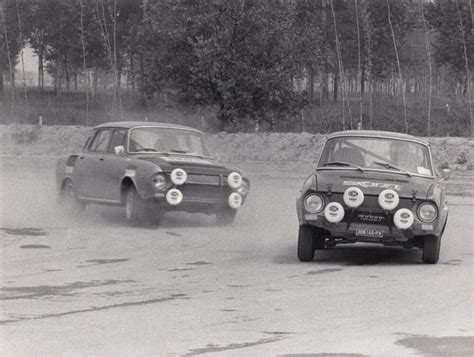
402,155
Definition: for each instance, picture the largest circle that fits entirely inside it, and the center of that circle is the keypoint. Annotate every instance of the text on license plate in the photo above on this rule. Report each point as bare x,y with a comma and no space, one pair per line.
369,233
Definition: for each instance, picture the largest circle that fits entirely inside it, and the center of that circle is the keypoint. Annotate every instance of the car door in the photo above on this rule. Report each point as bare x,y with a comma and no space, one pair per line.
89,167
114,166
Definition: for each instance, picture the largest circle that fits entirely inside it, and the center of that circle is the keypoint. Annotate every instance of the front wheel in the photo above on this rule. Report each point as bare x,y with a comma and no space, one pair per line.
225,216
431,249
69,199
135,207
306,244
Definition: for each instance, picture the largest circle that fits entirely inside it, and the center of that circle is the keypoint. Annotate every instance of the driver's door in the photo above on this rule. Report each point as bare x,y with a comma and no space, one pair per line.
89,166
114,166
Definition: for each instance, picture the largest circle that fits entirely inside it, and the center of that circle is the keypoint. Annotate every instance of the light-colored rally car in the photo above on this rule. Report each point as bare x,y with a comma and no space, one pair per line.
375,187
150,168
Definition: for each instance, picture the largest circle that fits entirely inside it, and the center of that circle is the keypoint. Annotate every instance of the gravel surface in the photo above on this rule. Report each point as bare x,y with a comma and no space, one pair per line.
92,285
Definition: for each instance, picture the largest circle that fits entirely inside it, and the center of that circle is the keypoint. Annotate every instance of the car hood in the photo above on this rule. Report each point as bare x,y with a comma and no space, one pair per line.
373,182
187,163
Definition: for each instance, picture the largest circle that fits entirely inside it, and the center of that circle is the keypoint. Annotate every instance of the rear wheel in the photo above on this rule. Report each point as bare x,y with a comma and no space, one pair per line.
225,216
431,249
69,199
306,243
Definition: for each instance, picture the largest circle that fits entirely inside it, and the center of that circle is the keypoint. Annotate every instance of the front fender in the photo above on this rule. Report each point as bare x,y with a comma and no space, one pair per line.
139,173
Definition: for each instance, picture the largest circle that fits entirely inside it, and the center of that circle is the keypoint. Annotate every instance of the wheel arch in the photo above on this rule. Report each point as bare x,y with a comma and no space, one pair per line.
126,183
63,184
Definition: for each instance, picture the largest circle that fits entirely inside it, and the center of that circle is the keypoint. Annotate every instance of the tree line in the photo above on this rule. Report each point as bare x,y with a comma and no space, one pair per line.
258,62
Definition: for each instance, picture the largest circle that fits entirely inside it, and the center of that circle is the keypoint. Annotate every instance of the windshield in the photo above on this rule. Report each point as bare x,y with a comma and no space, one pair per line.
165,140
377,153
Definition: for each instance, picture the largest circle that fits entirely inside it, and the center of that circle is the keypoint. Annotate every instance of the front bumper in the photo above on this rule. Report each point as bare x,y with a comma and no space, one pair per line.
367,232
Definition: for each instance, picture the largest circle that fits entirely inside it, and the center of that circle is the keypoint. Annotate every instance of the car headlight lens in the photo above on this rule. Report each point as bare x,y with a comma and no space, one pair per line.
159,181
427,212
314,203
234,180
243,188
353,197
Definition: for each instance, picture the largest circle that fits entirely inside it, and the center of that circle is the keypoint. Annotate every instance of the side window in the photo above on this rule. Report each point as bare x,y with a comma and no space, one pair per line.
100,141
87,142
118,138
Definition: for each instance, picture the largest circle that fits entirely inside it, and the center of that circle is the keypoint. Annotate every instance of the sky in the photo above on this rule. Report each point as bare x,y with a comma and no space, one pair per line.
30,60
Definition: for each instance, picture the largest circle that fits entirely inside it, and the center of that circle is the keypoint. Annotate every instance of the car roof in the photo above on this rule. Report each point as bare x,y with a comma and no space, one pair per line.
134,124
377,133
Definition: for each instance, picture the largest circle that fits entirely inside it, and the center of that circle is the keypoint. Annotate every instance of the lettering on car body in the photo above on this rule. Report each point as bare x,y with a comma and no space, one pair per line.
371,218
368,184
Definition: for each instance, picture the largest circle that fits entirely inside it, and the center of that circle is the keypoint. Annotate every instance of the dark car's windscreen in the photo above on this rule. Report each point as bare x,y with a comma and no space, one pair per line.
377,153
152,139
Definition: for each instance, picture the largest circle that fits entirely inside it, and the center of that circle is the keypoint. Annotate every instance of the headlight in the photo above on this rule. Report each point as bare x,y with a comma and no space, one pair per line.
314,203
427,212
244,188
403,218
353,197
388,199
234,180
159,181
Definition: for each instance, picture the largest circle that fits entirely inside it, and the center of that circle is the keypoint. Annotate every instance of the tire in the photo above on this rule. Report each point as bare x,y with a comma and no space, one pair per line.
319,240
306,243
69,200
431,249
137,210
225,216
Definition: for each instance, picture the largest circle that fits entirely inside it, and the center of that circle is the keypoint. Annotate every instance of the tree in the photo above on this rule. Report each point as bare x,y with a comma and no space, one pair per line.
448,45
9,43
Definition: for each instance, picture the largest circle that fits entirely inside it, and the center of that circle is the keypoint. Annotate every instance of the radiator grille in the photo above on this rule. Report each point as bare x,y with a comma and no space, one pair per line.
198,179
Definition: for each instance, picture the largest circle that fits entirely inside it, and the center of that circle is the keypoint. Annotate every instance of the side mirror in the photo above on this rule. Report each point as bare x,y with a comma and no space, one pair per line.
119,150
445,174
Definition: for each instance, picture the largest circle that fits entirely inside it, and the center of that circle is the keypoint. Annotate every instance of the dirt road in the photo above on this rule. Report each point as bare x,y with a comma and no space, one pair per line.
93,285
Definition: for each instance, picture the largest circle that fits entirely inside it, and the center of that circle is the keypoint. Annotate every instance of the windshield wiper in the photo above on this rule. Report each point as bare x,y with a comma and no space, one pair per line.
178,151
390,166
343,163
146,149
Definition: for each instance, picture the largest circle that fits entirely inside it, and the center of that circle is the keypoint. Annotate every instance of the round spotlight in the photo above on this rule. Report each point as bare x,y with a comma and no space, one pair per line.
353,197
234,180
235,200
403,218
178,176
388,199
174,197
334,212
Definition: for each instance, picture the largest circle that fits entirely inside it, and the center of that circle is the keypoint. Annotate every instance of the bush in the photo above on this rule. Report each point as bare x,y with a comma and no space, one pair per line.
462,159
26,135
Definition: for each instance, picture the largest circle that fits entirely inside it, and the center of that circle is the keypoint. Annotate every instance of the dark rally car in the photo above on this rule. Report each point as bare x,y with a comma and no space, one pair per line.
150,168
374,187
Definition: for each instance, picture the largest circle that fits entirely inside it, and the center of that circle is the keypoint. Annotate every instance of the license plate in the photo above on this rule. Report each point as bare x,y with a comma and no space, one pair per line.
369,233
